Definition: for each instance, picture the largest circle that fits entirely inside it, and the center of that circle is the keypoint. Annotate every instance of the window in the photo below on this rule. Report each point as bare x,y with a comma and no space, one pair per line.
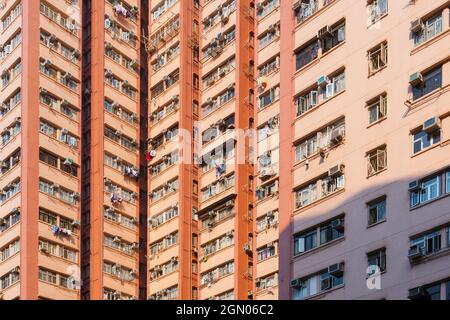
447,183
333,36
428,29
376,261
378,58
376,211
304,9
47,276
47,217
423,140
321,140
266,253
377,109
48,158
306,54
428,243
268,97
318,236
377,9
428,190
430,81
322,281
376,161
320,188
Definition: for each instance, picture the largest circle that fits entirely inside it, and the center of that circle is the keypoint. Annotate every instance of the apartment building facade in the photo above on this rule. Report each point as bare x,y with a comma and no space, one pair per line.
365,134
114,175
173,44
40,152
267,116
226,182
224,149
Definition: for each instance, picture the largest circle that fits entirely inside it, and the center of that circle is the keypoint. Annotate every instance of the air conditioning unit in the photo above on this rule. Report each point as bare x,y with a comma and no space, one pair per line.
247,248
431,125
266,173
76,223
323,33
338,224
416,26
337,135
323,81
117,239
135,246
229,203
414,185
417,293
3,164
336,270
259,7
336,170
297,283
415,253
416,79
225,18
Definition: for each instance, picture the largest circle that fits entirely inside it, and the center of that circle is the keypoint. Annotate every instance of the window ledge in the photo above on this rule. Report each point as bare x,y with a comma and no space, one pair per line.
376,223
318,106
429,42
119,225
231,216
425,150
413,104
376,173
269,105
208,256
376,122
268,259
260,19
378,20
317,202
219,107
317,249
375,72
314,156
2,233
324,293
445,195
274,40
265,291
10,257
77,122
432,256
4,175
217,279
221,78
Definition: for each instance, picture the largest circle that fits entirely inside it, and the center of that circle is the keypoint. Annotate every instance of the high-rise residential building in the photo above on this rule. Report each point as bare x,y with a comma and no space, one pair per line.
174,71
224,149
226,183
267,116
113,174
40,150
364,136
